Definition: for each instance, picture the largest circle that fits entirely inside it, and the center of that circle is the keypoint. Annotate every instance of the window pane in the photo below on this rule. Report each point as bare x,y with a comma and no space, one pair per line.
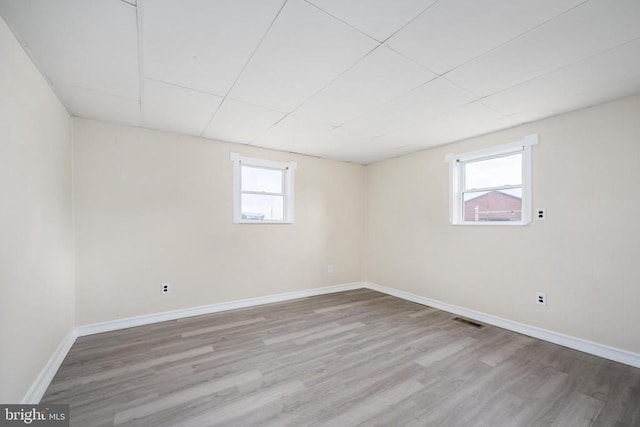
262,207
496,172
503,205
261,179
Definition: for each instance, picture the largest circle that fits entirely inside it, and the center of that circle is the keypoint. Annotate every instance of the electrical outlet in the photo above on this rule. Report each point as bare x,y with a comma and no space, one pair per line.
541,298
164,288
330,268
541,214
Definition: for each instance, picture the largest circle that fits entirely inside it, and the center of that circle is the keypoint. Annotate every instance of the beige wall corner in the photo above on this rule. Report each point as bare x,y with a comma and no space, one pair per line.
153,207
584,255
36,247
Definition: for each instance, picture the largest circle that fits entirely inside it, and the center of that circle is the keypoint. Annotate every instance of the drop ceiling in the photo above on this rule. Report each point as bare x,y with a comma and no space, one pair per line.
352,80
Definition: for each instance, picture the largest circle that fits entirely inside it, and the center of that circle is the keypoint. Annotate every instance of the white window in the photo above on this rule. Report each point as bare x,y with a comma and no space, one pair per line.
262,190
492,186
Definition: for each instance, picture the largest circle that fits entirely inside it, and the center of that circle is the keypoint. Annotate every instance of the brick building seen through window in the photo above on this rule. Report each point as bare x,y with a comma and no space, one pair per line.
493,206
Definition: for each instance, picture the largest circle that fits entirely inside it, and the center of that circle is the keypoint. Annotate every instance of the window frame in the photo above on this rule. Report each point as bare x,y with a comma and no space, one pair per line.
287,169
456,180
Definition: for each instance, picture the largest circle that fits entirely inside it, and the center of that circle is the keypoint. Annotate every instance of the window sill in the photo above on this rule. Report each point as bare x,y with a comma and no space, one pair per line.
492,224
262,222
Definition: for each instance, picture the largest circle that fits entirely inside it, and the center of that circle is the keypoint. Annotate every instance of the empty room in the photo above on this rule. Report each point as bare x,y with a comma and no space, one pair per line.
319,213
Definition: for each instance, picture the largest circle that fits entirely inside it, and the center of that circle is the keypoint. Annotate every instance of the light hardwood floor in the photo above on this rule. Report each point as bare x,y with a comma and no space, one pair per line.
351,358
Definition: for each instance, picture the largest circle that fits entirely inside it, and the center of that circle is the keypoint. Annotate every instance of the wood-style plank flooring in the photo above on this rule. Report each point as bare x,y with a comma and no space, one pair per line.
344,359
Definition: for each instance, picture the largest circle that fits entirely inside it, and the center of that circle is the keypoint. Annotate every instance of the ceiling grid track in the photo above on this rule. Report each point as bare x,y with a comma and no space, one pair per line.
349,81
245,66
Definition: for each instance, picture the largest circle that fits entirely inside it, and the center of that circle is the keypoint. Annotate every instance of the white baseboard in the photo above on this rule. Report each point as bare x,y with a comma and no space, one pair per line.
112,325
601,350
40,385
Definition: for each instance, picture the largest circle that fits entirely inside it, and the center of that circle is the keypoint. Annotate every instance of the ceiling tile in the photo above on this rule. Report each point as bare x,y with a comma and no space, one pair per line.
310,76
339,144
361,154
89,44
90,104
460,123
454,125
455,31
468,120
363,151
380,77
376,18
203,44
604,69
521,118
177,109
593,27
314,138
304,51
295,134
598,96
430,99
240,122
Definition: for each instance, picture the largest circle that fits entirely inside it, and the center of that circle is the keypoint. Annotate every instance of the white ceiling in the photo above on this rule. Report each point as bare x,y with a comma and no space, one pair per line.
352,80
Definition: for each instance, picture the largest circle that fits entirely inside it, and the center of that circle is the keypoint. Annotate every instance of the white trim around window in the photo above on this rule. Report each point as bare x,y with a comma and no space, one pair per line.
457,190
285,192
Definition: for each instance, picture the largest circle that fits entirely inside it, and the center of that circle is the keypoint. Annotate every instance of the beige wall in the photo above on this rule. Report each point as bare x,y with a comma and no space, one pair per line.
36,239
585,256
152,207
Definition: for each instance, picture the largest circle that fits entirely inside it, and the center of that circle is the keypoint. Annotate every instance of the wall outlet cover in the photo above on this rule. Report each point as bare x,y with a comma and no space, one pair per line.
164,288
541,298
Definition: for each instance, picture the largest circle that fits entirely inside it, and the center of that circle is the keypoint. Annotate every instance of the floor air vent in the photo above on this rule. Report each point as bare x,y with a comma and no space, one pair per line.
468,322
